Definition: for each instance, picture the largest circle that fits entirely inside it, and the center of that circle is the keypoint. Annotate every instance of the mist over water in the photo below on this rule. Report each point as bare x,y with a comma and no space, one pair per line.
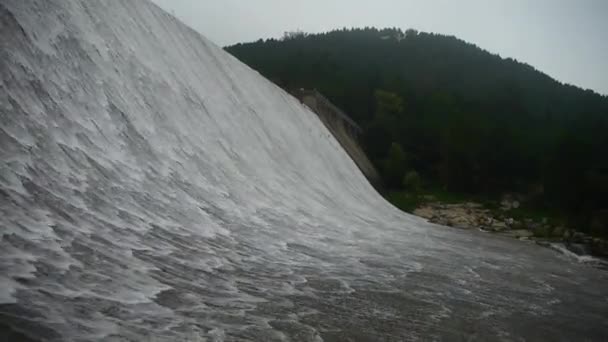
152,187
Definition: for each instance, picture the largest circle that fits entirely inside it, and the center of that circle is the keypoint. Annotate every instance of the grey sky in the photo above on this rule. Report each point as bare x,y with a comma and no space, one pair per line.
567,39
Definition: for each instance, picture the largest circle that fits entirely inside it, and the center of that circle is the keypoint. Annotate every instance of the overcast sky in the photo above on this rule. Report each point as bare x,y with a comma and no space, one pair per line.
567,39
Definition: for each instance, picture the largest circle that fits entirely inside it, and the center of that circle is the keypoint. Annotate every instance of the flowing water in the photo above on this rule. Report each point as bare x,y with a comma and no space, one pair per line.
154,188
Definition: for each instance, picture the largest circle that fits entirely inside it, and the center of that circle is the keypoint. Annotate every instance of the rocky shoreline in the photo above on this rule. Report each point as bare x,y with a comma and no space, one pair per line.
472,215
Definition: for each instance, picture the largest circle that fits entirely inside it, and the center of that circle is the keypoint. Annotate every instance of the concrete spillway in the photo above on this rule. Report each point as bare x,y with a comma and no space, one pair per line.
152,187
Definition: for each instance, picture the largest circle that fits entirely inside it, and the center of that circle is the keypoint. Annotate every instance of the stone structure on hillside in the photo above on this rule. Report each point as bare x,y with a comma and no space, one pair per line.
343,128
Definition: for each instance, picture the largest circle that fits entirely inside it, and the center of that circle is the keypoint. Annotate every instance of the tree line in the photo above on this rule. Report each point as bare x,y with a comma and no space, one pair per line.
438,111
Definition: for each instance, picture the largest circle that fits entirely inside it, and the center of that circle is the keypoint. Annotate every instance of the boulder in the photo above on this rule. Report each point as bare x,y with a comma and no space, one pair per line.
498,226
518,225
541,231
558,232
543,243
578,237
599,248
519,233
524,233
579,248
425,212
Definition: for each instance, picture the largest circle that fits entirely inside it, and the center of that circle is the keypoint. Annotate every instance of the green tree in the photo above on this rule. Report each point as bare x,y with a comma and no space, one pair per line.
395,166
388,104
474,122
412,181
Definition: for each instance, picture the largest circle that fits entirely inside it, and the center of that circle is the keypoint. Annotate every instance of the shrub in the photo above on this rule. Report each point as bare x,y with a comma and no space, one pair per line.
412,181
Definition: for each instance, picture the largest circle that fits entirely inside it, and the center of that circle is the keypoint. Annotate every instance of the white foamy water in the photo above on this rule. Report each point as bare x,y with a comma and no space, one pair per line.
152,187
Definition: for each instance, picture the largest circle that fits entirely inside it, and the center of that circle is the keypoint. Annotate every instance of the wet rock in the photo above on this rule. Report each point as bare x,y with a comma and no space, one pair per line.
518,225
519,233
426,212
472,215
599,247
498,226
578,237
579,248
558,232
543,243
466,215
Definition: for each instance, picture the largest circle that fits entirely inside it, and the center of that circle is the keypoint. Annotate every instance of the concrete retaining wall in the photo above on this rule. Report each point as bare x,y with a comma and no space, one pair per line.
344,129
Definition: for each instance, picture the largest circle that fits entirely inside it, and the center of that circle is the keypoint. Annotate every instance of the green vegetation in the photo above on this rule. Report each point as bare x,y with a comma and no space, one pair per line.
412,182
405,201
409,199
462,119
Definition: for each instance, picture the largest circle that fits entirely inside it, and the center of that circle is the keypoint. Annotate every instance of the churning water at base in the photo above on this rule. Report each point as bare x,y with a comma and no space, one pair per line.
152,187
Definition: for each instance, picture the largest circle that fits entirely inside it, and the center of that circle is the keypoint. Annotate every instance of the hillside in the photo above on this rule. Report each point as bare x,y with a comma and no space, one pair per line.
461,118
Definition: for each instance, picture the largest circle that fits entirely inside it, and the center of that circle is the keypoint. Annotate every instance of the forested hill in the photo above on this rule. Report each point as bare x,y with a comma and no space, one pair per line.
458,116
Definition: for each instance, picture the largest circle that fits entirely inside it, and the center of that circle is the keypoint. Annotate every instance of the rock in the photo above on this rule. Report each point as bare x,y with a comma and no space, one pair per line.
517,225
599,221
442,221
519,233
544,220
524,233
578,237
473,205
542,231
579,248
567,235
425,212
515,205
464,215
498,226
558,232
543,243
599,248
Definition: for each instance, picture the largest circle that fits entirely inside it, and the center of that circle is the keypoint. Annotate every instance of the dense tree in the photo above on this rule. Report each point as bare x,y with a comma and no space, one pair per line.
464,119
394,166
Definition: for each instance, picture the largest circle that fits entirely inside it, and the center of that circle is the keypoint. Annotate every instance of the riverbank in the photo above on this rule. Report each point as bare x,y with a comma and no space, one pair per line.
508,219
